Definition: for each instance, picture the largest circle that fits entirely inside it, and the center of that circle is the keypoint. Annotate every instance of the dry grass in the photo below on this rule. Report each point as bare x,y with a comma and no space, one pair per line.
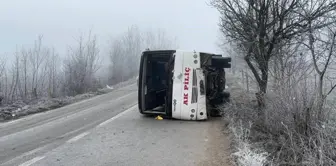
289,133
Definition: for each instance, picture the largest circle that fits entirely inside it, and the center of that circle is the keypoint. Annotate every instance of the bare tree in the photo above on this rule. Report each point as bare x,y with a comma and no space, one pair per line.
28,73
2,66
81,66
158,40
52,71
259,26
37,56
321,45
290,64
24,62
2,73
118,64
16,88
132,50
35,72
126,50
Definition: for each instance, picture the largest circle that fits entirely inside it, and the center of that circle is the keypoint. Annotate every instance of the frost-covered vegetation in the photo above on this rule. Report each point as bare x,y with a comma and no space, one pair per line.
39,79
283,87
20,108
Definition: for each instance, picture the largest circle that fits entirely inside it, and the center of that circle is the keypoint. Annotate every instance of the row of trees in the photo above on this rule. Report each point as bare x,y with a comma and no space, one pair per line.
32,73
289,47
41,72
80,67
289,33
125,51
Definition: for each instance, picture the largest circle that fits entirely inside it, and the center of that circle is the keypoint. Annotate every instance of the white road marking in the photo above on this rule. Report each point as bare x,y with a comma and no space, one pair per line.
72,116
122,97
74,139
74,131
71,132
26,154
32,161
117,116
32,116
34,151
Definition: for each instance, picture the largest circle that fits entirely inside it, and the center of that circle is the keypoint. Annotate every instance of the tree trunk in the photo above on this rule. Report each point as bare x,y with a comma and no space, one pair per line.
6,88
263,82
320,99
247,82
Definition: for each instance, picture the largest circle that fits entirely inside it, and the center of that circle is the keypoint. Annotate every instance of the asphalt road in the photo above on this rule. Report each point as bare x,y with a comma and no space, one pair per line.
108,130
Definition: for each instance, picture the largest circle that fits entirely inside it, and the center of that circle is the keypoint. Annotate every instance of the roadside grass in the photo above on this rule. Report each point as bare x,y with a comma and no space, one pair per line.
288,134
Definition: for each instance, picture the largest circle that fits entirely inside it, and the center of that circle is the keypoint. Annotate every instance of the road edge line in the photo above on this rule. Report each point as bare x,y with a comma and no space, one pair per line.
117,116
7,123
32,161
62,118
78,137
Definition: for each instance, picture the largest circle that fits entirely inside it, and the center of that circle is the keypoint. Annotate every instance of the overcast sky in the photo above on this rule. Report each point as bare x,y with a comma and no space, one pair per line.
193,22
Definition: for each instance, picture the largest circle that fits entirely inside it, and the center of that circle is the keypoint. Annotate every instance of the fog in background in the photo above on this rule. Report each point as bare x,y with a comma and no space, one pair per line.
193,23
52,49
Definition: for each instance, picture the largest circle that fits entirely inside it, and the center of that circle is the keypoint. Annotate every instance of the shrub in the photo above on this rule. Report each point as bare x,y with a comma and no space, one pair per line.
289,132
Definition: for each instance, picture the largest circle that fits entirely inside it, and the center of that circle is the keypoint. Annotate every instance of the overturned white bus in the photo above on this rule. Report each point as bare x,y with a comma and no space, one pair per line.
180,84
